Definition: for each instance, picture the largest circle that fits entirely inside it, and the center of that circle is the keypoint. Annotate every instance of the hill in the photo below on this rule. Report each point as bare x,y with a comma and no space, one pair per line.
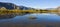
11,6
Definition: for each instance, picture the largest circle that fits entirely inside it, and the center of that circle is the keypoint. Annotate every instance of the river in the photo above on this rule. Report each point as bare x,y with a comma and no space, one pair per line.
42,20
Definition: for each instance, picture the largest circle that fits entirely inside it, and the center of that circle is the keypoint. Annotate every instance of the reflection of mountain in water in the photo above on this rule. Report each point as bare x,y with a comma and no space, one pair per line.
7,16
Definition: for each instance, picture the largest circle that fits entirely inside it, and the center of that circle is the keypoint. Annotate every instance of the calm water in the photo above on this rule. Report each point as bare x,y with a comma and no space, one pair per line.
42,20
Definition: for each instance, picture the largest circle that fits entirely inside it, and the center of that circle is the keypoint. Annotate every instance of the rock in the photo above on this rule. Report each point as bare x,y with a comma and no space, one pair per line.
32,17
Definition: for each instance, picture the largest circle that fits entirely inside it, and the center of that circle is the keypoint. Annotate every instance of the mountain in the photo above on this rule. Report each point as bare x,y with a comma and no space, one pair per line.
58,7
53,8
50,8
11,6
7,5
24,8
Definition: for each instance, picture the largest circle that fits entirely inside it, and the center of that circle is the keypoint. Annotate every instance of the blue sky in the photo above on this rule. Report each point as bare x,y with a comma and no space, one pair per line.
35,3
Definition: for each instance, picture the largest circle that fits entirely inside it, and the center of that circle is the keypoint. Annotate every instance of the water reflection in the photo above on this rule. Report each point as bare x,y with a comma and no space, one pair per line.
42,20
7,16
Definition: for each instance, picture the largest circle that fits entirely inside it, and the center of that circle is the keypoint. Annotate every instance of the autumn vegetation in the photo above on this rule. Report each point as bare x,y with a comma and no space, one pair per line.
3,11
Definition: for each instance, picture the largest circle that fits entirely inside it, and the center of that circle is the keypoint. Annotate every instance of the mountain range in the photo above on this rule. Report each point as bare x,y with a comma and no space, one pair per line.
11,6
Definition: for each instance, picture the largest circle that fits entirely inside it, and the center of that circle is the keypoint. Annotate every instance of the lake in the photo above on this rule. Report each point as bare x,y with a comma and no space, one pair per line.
42,20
